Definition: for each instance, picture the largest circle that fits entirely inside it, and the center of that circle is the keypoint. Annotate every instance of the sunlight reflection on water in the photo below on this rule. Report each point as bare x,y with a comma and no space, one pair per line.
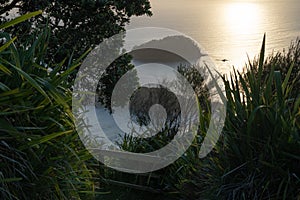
228,29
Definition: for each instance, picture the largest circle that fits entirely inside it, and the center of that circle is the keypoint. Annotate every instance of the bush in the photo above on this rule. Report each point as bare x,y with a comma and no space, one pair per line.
173,177
258,156
41,156
282,61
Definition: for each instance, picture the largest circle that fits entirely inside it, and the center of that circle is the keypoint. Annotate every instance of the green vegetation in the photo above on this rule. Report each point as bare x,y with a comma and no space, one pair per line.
258,156
41,156
75,25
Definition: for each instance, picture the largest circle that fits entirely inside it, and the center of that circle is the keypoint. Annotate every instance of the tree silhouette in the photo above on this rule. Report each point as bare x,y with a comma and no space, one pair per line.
76,25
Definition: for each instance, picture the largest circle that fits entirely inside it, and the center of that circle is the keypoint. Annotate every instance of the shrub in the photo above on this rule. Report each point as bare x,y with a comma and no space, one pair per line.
282,61
41,156
258,156
174,176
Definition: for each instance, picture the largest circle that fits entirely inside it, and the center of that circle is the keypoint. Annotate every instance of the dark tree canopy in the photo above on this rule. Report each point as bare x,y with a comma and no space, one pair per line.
76,25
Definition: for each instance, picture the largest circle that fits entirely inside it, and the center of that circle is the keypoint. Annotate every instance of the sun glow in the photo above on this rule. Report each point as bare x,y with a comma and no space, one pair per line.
242,18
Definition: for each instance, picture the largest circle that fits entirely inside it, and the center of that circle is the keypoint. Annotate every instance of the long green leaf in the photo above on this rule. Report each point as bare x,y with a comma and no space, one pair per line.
49,137
278,83
30,80
287,77
20,19
8,180
262,57
7,44
4,69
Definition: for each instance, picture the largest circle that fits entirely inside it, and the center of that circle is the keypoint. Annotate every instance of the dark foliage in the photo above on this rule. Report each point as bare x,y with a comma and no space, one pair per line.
75,25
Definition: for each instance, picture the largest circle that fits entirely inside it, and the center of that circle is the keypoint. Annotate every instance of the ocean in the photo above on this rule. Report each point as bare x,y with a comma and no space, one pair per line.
228,29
